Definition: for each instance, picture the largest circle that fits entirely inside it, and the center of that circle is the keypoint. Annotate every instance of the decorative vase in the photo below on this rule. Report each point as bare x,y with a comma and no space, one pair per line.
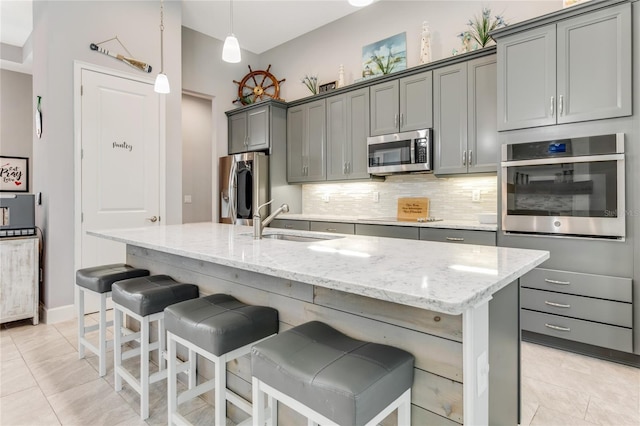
341,76
425,44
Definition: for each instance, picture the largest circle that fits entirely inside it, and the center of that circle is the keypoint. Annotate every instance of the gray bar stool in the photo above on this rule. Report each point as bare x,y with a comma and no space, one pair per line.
144,300
98,280
220,328
331,378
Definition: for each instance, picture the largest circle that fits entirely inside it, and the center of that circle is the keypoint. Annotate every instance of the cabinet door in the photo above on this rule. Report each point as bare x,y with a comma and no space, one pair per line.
237,133
527,79
384,108
450,119
19,279
258,129
316,141
336,137
594,65
416,102
296,123
357,132
482,136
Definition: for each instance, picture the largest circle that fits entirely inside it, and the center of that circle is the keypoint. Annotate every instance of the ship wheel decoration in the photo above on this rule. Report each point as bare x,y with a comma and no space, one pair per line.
258,85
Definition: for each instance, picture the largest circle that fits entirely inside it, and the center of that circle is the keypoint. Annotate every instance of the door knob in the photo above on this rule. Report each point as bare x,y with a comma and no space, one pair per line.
153,219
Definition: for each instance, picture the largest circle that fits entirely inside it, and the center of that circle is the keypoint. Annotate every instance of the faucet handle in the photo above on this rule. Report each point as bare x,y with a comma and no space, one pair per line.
257,212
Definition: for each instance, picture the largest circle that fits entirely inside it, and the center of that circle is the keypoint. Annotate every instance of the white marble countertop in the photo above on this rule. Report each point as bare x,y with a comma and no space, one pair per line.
471,225
443,277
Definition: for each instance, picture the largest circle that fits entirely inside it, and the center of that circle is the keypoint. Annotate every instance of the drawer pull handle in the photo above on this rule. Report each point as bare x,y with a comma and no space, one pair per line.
557,327
288,227
557,305
331,229
557,282
455,239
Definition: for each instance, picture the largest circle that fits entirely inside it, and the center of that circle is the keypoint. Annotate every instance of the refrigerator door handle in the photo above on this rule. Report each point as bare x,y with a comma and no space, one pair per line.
232,190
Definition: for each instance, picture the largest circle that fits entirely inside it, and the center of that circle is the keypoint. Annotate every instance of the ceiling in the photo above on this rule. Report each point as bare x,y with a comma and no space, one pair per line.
259,25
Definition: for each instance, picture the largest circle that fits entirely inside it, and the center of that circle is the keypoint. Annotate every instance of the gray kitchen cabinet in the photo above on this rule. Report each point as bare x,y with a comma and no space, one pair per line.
306,142
19,279
347,131
402,105
464,117
336,227
390,231
577,69
300,225
460,236
252,128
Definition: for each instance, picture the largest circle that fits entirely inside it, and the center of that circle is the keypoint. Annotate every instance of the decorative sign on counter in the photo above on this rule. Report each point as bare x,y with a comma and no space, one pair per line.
410,209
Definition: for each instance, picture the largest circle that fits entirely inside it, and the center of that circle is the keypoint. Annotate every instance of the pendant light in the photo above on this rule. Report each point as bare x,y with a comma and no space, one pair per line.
162,82
231,48
360,3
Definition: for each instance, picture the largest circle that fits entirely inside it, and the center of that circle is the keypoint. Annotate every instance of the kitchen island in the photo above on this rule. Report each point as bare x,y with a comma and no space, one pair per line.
454,307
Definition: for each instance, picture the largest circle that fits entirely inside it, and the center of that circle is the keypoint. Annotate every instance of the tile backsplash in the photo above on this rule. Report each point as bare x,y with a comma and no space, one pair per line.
449,198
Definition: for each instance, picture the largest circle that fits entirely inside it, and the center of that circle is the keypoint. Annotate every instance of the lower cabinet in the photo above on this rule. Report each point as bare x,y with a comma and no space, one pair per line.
460,236
299,225
585,308
389,231
19,296
337,227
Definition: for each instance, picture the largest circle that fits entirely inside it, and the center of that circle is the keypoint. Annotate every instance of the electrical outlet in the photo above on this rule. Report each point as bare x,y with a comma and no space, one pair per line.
187,199
325,198
475,195
376,197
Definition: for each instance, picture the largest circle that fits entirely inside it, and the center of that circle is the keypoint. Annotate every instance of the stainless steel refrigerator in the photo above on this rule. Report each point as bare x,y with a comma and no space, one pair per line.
244,185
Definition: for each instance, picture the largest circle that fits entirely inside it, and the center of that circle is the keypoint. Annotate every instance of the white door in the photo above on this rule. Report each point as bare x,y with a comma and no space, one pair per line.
120,152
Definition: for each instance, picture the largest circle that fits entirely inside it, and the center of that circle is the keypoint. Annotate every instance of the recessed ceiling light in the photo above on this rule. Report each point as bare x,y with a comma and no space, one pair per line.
360,3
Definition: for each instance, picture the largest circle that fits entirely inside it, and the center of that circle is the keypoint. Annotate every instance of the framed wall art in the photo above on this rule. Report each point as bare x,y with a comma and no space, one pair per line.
385,56
14,174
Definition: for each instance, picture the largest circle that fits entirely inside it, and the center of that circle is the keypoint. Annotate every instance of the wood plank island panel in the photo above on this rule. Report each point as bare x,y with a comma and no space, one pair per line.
437,387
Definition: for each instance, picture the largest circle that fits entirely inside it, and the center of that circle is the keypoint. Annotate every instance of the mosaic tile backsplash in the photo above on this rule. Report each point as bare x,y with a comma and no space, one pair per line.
449,198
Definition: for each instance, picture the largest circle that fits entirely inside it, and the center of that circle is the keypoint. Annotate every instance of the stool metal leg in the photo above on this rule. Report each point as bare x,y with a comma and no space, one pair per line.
117,347
102,369
193,363
144,368
162,345
404,410
258,403
221,391
80,322
172,393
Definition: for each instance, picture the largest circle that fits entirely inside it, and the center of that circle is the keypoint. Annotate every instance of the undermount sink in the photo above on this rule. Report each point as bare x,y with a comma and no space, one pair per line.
299,238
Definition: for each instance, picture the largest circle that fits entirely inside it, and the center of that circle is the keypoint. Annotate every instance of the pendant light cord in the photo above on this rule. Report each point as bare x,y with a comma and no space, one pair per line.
161,36
231,15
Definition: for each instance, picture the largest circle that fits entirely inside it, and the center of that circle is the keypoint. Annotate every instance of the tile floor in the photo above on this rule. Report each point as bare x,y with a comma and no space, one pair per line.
42,382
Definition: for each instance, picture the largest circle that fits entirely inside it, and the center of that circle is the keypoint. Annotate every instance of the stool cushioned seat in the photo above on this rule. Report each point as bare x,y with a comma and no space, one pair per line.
344,379
101,278
149,295
220,323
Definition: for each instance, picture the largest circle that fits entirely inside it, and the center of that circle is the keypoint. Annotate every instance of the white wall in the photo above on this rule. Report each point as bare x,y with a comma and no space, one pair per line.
16,116
322,51
62,33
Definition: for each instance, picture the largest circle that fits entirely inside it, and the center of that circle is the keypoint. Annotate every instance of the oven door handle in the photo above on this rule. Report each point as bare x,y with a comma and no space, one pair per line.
561,160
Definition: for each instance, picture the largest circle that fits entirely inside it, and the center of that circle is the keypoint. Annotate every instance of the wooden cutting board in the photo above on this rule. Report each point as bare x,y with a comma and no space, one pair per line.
410,209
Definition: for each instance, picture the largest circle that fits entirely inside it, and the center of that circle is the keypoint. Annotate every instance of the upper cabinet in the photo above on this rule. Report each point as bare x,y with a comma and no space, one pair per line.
252,128
576,69
347,131
465,117
306,142
402,105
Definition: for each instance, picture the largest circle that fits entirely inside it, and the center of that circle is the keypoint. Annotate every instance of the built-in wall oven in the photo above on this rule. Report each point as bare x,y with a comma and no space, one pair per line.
569,187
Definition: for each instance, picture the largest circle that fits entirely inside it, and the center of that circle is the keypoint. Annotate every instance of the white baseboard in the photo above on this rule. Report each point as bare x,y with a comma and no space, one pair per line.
56,315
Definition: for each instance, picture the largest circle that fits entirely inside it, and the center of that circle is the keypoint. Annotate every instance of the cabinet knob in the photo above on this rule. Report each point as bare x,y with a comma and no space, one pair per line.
557,327
458,239
395,120
464,158
557,282
470,158
552,105
153,219
561,106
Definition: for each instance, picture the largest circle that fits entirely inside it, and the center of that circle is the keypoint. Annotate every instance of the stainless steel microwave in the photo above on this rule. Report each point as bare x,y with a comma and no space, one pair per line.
400,152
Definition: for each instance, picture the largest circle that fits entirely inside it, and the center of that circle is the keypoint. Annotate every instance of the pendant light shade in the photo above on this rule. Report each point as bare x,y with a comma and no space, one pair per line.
360,3
162,82
231,48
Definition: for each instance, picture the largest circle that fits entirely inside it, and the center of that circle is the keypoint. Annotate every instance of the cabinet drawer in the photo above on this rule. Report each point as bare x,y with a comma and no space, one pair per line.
390,231
300,225
586,308
600,286
337,227
462,236
592,333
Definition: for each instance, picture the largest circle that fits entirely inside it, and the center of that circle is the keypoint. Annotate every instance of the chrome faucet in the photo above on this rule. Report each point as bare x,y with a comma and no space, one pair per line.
259,224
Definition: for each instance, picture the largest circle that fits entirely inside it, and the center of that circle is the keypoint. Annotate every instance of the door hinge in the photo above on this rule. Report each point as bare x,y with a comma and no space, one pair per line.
81,217
81,90
81,154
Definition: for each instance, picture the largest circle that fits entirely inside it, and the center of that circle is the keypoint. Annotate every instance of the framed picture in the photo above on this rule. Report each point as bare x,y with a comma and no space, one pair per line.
328,86
385,56
14,174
